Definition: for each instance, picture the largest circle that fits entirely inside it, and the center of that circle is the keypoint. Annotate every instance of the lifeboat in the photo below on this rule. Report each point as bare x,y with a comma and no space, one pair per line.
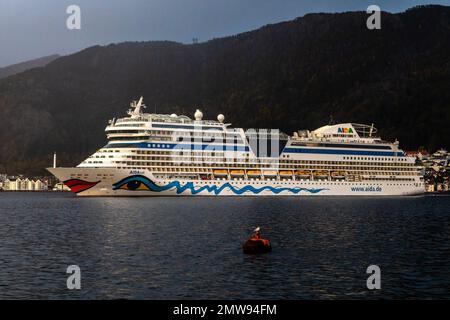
303,173
270,173
286,173
256,245
320,174
253,173
220,173
237,173
338,174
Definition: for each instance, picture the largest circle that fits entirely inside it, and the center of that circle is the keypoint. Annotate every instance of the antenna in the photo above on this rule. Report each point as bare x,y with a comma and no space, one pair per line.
140,104
137,105
371,130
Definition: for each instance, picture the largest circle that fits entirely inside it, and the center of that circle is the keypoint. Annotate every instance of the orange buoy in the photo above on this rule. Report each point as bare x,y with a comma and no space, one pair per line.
255,244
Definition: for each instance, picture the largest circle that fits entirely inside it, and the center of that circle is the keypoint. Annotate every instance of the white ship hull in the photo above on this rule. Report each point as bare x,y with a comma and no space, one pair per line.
132,183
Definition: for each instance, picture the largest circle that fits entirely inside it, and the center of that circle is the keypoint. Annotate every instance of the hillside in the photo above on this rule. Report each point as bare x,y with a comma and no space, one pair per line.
23,66
289,75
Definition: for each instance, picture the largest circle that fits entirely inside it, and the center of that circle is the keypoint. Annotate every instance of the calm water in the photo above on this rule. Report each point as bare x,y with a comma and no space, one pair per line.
177,248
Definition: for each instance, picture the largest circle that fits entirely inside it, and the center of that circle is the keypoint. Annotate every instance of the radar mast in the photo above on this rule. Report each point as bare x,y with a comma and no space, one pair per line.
136,107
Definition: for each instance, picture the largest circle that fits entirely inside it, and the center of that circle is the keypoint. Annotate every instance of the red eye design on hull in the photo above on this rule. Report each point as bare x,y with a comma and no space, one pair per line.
77,185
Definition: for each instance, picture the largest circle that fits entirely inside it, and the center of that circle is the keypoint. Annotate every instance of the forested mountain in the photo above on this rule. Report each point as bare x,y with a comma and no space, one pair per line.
291,75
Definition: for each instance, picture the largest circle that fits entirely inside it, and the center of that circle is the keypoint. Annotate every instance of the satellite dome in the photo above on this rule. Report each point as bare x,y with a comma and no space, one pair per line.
198,115
173,115
221,118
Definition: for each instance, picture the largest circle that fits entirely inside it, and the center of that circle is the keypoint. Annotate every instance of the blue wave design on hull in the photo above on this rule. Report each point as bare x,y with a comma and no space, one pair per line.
151,186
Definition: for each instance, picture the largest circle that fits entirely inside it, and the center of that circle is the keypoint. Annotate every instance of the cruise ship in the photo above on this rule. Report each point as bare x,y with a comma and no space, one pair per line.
149,154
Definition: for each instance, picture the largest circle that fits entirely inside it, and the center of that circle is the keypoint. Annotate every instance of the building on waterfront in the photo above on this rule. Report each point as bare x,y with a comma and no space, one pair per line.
437,170
10,184
24,184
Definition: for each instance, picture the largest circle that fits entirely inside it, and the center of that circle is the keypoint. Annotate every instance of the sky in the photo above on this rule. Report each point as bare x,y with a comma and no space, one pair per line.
31,29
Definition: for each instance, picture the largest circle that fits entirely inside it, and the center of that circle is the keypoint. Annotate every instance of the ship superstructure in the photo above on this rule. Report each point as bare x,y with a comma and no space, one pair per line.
155,154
